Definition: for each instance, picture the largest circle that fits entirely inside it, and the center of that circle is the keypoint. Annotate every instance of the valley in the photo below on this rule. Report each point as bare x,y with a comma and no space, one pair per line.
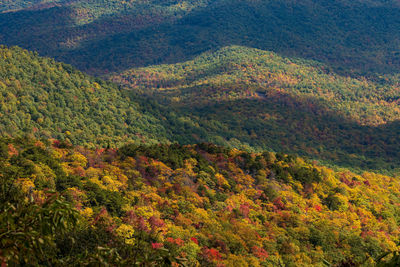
199,133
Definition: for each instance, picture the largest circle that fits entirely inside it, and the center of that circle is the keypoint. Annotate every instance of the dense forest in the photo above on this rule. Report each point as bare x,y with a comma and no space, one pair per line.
211,133
47,99
99,36
237,97
15,5
188,205
238,72
257,99
287,106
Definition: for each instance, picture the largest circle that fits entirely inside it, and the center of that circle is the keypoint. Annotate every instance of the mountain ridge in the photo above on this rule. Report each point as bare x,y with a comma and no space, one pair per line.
363,39
284,104
227,133
278,117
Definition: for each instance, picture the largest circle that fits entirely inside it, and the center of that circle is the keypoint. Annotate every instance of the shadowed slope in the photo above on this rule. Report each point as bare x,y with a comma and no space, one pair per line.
255,99
351,36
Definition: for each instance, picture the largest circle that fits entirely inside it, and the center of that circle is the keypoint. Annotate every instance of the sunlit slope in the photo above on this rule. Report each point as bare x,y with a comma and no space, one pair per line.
199,205
49,99
237,97
293,105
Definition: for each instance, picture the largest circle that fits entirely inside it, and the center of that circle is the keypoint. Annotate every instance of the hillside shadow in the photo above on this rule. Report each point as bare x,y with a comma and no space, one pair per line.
355,38
36,30
305,127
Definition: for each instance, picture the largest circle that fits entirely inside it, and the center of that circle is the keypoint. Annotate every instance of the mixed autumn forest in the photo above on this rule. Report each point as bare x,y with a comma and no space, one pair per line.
199,133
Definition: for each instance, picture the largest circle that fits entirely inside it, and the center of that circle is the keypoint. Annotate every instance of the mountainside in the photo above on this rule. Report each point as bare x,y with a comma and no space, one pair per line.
17,5
178,205
236,72
269,102
226,133
101,36
49,99
237,97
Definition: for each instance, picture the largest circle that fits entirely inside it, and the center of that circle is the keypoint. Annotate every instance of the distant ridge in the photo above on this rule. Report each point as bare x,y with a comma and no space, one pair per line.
358,37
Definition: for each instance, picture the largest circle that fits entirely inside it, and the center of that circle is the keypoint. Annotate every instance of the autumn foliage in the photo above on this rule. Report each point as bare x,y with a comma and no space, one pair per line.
204,204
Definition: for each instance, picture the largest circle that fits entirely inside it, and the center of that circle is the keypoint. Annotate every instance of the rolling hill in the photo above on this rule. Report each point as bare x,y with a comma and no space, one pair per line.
236,97
265,101
100,36
215,133
49,99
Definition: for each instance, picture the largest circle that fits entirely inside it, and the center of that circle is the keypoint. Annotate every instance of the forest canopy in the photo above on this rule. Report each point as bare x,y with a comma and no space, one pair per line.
187,205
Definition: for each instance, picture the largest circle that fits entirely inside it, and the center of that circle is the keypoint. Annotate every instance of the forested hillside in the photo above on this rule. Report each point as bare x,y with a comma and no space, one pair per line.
100,36
45,98
265,101
236,97
237,72
188,205
227,133
17,5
